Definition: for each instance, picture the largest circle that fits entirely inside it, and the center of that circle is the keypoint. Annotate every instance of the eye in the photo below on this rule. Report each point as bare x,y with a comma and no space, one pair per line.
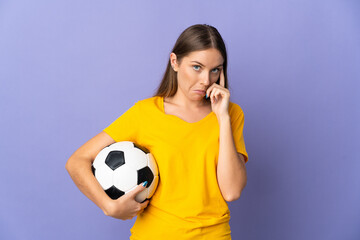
194,66
217,70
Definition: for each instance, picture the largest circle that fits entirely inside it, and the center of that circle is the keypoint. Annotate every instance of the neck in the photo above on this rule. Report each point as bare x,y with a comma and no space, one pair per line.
184,102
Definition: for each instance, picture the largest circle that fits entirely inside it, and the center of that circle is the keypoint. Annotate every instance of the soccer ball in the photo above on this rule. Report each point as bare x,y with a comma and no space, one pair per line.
121,166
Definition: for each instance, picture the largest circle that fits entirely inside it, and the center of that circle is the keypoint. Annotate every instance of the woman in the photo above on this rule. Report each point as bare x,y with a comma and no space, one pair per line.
195,135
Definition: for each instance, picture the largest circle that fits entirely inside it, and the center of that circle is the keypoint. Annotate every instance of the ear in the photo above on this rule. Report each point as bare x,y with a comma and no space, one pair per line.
173,60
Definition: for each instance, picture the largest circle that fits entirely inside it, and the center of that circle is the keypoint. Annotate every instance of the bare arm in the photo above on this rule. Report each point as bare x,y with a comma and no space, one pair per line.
79,168
231,171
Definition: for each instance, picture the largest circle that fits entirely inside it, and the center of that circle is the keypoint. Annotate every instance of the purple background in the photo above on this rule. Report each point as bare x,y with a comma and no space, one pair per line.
70,68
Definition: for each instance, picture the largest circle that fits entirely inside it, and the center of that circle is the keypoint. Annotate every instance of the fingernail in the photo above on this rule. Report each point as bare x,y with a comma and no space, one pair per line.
144,184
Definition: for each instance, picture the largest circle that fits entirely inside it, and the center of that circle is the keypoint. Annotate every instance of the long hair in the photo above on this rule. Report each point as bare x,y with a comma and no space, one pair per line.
195,38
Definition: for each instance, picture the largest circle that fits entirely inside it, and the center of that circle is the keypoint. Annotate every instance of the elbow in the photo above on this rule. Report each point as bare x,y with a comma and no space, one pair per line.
234,196
231,198
74,164
68,165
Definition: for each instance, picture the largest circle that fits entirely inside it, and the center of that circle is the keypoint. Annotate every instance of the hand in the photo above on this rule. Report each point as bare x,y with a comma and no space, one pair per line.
126,207
220,97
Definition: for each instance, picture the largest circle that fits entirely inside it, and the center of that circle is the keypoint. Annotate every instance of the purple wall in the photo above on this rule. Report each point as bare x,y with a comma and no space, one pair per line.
70,68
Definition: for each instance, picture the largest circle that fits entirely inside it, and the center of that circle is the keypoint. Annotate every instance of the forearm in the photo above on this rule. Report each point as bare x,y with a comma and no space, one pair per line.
231,171
80,171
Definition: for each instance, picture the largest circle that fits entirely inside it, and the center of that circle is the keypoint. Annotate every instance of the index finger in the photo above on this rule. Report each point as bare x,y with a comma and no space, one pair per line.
222,78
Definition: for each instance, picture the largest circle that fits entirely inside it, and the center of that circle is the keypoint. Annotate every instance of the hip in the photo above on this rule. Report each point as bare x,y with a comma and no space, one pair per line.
150,225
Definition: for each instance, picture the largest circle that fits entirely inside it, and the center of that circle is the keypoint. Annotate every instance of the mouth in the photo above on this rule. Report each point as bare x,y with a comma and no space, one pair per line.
202,92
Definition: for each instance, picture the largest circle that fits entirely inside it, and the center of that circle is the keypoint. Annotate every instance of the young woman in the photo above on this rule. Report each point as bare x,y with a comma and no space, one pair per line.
195,134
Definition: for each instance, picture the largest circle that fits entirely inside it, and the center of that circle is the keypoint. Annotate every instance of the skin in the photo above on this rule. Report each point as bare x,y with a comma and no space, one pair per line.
193,76
231,171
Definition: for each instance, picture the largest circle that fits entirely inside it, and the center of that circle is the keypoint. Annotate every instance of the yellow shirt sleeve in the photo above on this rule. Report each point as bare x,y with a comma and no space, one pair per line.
125,127
188,202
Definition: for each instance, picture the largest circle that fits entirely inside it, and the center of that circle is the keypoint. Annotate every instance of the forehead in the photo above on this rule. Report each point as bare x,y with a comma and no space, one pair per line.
208,57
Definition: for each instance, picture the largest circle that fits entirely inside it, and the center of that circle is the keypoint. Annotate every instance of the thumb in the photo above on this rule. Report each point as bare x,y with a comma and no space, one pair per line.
139,188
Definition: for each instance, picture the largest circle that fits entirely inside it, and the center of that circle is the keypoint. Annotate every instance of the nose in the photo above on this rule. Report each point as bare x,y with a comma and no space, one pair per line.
205,79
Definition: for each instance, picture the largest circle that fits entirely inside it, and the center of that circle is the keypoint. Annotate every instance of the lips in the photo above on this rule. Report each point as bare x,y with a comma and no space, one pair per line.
201,92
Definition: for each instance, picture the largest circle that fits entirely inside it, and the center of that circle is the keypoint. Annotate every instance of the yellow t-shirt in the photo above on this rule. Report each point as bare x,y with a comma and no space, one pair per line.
187,203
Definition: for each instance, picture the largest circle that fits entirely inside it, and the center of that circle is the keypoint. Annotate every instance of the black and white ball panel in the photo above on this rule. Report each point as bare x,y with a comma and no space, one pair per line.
138,154
125,177
114,193
115,159
121,166
102,174
152,165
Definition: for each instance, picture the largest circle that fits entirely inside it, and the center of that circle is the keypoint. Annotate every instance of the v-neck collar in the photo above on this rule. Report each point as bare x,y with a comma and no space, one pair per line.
162,108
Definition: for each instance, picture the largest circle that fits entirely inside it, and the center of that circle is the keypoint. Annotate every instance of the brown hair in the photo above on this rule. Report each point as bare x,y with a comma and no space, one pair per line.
195,38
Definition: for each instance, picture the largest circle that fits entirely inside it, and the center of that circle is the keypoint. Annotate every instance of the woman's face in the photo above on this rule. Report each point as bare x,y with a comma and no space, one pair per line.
197,72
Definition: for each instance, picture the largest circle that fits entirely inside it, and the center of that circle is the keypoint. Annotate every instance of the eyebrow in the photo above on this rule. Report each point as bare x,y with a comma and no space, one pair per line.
204,65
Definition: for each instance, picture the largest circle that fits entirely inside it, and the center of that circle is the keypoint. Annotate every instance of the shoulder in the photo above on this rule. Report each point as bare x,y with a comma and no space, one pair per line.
150,103
149,100
235,109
